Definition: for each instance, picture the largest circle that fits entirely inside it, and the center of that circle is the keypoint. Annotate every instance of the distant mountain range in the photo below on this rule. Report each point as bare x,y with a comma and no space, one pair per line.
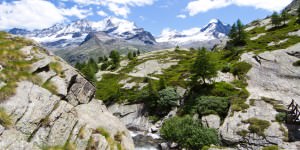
82,39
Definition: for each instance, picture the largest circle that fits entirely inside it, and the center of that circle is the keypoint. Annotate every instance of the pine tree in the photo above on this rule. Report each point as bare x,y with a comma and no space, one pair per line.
284,17
115,57
100,59
275,19
233,32
241,34
138,53
177,48
298,14
134,54
204,67
162,83
129,55
105,58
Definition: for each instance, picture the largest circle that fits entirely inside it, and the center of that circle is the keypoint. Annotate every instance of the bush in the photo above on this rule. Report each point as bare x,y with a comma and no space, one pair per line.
240,69
206,105
167,98
5,119
297,63
257,126
274,147
225,69
280,117
188,133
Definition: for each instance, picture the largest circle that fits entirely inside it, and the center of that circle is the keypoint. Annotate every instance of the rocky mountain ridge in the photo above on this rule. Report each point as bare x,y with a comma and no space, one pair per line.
56,108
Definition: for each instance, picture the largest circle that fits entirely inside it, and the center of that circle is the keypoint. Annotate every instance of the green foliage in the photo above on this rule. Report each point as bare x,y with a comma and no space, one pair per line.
297,63
168,97
50,87
204,66
237,34
89,69
257,126
103,132
134,54
115,57
280,117
243,133
275,103
275,19
284,17
274,147
129,55
138,53
5,119
240,69
56,67
162,84
206,105
107,87
188,133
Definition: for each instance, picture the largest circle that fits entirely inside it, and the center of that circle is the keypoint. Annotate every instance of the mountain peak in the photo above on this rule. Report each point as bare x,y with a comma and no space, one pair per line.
214,21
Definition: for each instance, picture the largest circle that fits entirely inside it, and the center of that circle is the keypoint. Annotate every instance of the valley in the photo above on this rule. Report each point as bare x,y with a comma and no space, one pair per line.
111,85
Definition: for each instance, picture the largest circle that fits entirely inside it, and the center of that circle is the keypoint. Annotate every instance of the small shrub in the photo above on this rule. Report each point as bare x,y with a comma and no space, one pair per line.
280,117
188,133
206,105
50,86
257,126
103,132
274,147
5,119
252,102
118,136
243,133
240,69
225,69
297,63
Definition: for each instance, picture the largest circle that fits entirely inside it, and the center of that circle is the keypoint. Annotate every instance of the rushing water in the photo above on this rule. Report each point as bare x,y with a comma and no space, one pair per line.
145,141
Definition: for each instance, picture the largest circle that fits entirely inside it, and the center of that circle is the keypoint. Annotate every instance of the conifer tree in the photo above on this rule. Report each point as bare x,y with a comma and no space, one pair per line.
275,19
129,55
204,67
134,54
284,17
138,53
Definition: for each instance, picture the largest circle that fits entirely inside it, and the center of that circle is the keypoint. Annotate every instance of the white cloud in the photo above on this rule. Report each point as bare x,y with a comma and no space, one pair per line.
79,13
142,18
200,6
119,10
118,7
181,16
102,13
30,14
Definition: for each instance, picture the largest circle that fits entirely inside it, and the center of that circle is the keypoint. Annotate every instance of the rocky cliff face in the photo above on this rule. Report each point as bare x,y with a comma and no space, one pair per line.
272,83
58,110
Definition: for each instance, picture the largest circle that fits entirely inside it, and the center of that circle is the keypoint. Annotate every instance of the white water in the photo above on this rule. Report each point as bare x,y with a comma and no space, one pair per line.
145,146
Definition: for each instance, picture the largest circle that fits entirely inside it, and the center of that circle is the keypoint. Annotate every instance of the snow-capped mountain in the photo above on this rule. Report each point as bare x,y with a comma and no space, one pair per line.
215,30
61,36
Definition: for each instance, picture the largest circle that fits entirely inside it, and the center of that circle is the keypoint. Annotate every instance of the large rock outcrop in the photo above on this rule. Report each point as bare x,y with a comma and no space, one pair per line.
273,81
42,116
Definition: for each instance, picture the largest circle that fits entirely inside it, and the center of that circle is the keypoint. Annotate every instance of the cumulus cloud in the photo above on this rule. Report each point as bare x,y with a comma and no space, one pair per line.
30,14
200,6
119,10
36,14
102,13
79,13
181,16
118,7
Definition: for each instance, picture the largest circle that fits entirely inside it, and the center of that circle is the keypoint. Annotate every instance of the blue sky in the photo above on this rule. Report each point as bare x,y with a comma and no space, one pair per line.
153,15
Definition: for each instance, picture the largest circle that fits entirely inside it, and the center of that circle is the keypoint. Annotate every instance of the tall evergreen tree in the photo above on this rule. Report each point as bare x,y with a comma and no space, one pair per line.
298,14
162,84
100,59
241,34
204,67
134,54
284,17
115,57
129,55
275,19
233,32
138,53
